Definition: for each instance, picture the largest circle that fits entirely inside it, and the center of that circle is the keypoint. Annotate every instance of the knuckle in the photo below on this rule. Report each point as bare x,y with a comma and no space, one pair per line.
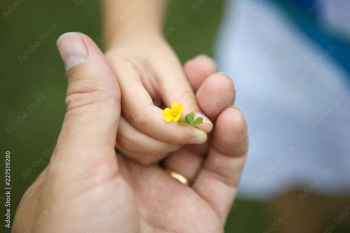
126,67
188,98
88,91
139,118
180,139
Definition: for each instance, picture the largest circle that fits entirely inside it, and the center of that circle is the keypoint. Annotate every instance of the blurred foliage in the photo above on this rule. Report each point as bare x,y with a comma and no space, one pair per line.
42,73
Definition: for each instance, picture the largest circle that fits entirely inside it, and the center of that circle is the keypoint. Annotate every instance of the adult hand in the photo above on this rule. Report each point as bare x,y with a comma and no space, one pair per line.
82,187
87,187
149,71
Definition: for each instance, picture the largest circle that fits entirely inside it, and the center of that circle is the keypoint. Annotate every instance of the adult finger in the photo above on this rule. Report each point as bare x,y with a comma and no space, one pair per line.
218,179
212,87
198,69
215,94
184,162
90,125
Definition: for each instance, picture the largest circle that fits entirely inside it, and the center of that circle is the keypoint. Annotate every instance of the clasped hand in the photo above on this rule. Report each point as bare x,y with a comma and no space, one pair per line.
89,187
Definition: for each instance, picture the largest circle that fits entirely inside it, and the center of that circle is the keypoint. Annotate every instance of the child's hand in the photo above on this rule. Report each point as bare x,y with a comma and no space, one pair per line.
148,71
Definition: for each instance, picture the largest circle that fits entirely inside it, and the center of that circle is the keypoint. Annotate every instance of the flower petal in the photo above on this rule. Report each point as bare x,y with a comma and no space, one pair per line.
180,109
167,112
177,117
168,118
176,107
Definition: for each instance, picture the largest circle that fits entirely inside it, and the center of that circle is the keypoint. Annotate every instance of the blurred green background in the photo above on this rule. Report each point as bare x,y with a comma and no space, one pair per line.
42,72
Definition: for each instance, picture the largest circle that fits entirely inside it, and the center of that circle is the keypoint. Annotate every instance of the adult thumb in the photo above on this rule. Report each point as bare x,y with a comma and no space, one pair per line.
89,129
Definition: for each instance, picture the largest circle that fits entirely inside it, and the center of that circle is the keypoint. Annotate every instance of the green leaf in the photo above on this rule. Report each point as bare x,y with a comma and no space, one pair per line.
184,123
190,118
198,121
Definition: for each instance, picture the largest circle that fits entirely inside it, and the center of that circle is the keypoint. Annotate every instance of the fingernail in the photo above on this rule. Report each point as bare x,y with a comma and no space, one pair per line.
237,108
200,138
205,119
207,126
72,49
224,74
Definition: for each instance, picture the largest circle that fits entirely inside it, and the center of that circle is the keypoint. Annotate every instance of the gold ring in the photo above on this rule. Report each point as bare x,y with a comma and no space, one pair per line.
177,176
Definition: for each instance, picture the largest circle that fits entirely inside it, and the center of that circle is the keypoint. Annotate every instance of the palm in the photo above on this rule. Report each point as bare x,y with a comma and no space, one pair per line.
164,204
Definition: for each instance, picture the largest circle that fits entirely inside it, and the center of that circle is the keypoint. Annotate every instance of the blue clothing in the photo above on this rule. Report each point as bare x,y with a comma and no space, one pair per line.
293,84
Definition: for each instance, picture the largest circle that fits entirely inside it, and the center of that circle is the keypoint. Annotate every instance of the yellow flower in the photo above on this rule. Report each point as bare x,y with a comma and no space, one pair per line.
174,113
